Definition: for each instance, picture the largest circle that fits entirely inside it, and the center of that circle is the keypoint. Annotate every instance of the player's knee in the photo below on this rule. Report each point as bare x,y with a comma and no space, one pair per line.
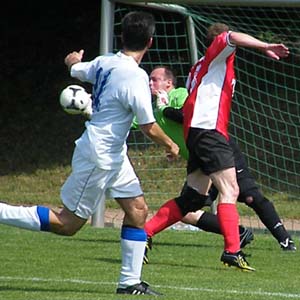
65,229
249,200
65,222
141,210
136,214
235,191
254,199
192,217
190,200
230,194
69,231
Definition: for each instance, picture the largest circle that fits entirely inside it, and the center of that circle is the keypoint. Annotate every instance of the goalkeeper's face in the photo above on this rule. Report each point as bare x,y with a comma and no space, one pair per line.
158,81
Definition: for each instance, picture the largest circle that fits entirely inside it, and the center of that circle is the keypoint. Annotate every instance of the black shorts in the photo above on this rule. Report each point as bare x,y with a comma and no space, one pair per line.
209,151
245,179
242,170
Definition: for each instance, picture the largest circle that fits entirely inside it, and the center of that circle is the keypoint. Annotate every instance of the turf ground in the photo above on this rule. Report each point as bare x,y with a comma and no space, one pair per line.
183,265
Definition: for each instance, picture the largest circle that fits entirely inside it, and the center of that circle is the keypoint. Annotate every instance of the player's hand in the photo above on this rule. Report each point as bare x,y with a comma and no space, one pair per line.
172,153
162,99
73,58
277,51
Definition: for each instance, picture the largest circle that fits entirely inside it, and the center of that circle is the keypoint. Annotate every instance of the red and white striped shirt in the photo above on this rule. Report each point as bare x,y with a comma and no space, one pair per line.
211,84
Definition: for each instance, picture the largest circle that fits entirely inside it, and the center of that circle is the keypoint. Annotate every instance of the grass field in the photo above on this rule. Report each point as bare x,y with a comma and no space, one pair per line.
183,265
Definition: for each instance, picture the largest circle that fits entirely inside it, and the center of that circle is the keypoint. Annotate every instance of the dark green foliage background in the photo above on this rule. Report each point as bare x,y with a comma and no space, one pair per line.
35,38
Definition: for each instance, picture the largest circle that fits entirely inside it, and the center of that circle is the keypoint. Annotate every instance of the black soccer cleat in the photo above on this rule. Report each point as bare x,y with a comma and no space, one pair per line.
288,245
246,236
147,248
237,260
141,288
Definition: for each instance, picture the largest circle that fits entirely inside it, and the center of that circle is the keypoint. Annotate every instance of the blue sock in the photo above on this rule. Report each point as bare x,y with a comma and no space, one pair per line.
133,242
133,234
43,213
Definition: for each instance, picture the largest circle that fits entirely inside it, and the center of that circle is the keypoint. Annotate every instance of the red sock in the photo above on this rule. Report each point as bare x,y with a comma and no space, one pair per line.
168,214
228,218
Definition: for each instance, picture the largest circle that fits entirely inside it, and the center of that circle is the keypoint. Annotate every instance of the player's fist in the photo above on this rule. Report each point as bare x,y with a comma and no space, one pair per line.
172,152
73,58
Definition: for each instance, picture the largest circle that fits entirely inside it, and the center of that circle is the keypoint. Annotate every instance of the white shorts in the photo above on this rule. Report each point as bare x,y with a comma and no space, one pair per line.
87,185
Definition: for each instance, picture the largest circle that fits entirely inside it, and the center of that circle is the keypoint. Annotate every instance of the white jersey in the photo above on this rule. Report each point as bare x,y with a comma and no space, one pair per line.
120,91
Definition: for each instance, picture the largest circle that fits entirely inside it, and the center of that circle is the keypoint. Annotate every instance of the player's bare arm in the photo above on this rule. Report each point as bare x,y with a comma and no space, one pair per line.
155,133
275,51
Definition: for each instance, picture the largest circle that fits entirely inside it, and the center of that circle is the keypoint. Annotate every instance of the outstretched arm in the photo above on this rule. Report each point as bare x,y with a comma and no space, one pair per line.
275,51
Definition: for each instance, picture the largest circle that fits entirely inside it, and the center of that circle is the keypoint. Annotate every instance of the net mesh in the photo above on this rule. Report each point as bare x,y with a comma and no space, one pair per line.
266,108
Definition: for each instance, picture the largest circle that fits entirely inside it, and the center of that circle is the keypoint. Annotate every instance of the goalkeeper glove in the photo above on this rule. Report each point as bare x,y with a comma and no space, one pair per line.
162,99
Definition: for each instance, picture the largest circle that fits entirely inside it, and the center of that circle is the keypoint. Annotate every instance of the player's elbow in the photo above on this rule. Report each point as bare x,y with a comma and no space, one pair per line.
148,129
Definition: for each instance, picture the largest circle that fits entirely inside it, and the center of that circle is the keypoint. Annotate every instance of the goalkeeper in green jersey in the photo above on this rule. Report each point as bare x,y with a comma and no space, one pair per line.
168,101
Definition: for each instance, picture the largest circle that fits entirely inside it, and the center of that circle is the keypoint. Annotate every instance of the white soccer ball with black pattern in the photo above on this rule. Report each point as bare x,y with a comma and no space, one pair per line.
74,99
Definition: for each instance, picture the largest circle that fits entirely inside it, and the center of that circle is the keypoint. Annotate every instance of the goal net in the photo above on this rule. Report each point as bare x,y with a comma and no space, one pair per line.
266,107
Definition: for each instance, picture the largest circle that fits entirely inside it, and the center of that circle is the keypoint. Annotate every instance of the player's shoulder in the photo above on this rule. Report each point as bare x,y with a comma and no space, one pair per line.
181,90
104,58
223,39
129,66
178,92
137,76
103,62
116,60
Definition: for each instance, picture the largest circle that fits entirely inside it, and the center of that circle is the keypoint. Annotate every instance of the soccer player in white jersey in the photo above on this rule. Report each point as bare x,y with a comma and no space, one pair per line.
100,163
206,115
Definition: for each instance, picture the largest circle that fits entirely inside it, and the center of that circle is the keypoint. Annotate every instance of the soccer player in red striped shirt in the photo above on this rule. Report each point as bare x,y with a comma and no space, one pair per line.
206,116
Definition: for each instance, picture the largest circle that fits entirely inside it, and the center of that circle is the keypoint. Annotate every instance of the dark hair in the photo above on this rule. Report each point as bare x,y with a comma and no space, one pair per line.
169,73
214,30
137,29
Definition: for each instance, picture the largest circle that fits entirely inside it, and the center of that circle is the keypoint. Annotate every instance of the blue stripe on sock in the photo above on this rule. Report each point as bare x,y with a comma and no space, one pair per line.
133,234
43,213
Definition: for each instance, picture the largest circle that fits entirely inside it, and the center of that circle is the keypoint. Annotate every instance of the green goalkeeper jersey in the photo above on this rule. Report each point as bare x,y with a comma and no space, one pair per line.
173,129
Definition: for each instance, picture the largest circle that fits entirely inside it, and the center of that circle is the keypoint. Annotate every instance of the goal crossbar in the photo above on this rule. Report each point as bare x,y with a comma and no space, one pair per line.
273,3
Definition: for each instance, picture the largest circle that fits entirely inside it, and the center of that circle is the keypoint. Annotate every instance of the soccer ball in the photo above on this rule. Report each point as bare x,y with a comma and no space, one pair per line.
74,99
